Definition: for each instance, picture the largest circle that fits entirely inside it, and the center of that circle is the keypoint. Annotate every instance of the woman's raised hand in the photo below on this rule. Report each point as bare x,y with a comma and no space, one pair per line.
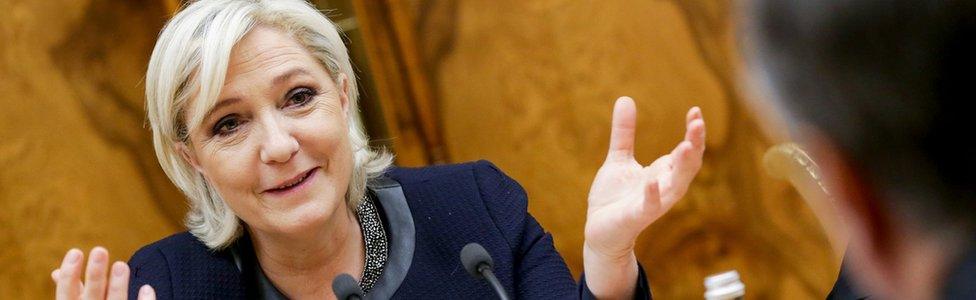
100,282
627,196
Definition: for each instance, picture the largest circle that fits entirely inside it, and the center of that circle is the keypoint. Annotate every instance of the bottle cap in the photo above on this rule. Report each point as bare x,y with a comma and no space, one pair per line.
726,285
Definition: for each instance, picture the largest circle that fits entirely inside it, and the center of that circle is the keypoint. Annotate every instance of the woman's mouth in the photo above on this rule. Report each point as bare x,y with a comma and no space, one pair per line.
294,184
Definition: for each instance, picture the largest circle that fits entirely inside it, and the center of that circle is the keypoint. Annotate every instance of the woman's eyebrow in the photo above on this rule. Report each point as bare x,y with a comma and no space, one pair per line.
221,103
284,77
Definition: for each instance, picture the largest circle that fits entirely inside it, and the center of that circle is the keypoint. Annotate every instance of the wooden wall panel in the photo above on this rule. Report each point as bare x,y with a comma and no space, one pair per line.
526,84
76,162
529,85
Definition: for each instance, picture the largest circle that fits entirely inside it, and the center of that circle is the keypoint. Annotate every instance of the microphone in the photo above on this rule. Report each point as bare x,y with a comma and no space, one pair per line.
477,262
346,288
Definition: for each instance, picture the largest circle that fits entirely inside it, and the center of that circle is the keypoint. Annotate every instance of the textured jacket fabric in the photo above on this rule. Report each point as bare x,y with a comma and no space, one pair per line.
451,205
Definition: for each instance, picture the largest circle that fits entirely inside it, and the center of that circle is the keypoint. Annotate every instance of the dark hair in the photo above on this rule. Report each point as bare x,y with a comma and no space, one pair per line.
890,83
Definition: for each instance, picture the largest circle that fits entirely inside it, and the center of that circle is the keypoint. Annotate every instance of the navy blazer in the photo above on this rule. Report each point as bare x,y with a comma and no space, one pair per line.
451,205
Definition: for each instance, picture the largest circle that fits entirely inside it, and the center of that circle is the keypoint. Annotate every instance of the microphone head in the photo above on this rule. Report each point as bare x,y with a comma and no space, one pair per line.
473,255
346,287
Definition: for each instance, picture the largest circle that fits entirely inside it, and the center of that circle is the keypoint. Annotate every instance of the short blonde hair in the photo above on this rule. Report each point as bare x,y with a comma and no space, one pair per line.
189,62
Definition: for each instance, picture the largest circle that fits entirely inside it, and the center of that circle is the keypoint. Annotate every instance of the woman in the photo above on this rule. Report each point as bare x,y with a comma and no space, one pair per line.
252,105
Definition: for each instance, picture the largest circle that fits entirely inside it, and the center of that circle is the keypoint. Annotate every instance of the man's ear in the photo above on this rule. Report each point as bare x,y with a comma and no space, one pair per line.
872,230
188,155
342,83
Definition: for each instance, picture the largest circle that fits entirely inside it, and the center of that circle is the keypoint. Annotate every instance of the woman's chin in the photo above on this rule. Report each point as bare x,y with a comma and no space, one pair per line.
306,218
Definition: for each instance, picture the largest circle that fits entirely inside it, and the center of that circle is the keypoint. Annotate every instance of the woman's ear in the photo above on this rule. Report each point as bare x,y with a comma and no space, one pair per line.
342,83
184,150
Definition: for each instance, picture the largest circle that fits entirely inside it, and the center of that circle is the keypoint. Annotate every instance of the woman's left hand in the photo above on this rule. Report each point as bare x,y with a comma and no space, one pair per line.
626,196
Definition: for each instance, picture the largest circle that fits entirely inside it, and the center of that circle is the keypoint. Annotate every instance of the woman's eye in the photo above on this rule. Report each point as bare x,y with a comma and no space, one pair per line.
300,96
226,125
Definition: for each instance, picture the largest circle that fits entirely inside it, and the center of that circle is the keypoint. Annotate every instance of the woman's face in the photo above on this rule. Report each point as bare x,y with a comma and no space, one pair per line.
275,145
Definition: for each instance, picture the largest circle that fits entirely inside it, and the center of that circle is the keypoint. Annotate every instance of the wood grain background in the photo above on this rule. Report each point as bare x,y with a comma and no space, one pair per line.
528,85
78,168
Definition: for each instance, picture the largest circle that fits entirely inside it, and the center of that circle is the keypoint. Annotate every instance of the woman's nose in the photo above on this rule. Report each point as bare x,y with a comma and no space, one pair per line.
278,145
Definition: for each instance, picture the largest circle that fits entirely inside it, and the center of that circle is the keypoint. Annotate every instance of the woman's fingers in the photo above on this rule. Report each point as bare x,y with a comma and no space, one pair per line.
695,128
95,274
622,129
100,282
146,292
687,161
652,196
118,284
68,281
687,156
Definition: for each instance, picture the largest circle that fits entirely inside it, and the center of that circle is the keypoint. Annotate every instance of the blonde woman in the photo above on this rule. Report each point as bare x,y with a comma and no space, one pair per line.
252,105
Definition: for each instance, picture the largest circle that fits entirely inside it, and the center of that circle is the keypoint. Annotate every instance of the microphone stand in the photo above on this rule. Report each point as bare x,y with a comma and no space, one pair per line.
485,271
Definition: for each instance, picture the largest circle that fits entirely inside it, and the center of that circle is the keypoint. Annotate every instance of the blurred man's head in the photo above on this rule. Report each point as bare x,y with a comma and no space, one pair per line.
880,91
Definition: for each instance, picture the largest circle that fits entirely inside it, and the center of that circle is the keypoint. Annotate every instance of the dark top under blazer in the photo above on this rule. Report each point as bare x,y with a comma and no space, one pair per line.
452,205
